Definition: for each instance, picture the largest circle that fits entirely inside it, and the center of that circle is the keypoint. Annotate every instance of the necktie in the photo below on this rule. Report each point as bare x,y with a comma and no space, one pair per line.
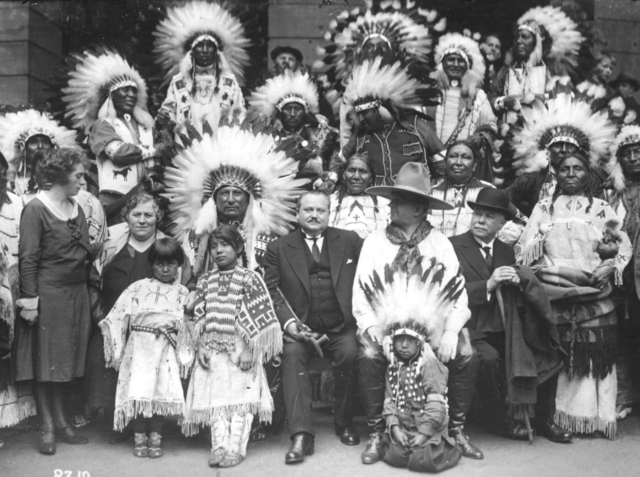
315,251
487,257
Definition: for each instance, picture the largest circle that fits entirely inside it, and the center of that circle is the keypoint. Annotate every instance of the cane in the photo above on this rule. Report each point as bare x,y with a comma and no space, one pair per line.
503,316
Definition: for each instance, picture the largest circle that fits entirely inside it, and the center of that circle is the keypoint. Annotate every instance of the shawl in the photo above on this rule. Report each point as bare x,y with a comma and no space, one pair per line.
409,254
247,309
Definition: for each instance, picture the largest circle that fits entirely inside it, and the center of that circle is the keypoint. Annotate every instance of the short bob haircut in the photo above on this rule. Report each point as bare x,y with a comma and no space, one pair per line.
166,250
230,235
57,164
141,198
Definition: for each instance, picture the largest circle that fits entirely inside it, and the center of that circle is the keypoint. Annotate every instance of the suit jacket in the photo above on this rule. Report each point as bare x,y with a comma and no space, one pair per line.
476,274
287,275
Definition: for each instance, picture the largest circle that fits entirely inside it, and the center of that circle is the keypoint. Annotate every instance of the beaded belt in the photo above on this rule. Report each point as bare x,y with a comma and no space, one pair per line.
164,331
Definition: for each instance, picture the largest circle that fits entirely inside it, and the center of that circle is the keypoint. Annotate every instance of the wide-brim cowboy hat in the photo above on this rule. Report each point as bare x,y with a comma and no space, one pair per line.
413,178
492,199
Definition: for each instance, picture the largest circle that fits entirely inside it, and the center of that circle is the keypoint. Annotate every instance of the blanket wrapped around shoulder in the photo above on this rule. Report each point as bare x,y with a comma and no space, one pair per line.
533,353
586,320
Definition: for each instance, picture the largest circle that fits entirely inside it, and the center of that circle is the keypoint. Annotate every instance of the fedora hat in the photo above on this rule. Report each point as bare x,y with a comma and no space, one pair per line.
494,199
278,50
413,178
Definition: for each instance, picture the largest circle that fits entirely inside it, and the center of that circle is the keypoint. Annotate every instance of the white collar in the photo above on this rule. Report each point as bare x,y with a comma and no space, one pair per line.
48,203
483,244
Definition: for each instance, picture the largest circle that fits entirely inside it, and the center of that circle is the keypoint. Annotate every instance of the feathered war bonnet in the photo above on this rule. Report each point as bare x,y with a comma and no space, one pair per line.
281,90
186,26
415,302
96,76
469,50
240,159
17,128
557,38
628,135
561,119
386,87
400,26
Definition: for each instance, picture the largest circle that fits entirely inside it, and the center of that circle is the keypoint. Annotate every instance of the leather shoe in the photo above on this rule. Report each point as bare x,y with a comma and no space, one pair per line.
301,445
511,428
371,453
468,449
554,432
348,435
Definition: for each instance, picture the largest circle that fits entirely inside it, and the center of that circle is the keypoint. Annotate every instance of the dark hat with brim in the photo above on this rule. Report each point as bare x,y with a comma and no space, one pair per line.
412,178
278,50
625,78
492,199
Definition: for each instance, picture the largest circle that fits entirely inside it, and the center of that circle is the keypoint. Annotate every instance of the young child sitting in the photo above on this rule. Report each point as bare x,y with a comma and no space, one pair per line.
411,306
415,407
236,330
149,311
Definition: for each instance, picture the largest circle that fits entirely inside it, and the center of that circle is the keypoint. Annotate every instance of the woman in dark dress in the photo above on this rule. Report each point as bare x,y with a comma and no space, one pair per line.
122,261
54,251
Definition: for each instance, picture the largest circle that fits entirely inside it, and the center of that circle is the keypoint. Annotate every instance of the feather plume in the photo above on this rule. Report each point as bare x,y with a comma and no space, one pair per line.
562,32
560,116
264,102
17,128
420,299
468,48
385,83
89,84
234,155
183,24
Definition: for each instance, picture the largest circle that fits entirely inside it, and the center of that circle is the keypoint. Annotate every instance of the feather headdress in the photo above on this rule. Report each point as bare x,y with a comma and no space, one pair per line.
374,85
404,28
560,120
237,158
282,90
629,134
88,94
186,25
17,128
418,301
469,50
560,32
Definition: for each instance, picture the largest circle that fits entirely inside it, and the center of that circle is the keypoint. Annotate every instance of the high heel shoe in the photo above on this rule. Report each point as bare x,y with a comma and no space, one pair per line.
66,434
48,445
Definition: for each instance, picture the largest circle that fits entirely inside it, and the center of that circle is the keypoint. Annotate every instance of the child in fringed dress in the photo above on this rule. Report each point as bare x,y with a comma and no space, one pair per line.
235,330
150,311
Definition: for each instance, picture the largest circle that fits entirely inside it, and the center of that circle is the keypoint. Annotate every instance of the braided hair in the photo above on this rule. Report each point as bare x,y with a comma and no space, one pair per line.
342,186
587,189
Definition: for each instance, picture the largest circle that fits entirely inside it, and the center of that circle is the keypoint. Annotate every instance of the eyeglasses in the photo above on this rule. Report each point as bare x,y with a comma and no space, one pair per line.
75,230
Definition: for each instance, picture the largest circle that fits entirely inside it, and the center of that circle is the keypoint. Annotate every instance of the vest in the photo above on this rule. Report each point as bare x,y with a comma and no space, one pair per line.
325,313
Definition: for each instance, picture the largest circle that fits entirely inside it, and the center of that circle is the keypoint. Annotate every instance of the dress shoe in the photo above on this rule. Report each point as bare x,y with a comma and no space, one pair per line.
48,442
468,449
554,432
301,445
371,453
512,428
348,435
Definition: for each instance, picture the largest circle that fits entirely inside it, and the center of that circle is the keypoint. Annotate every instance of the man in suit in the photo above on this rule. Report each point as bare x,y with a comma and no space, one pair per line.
487,263
310,275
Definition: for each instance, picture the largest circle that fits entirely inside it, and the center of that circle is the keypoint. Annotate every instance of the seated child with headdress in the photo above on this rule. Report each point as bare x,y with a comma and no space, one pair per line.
415,407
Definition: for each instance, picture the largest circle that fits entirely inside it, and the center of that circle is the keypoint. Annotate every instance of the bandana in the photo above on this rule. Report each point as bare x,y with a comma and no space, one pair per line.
409,254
